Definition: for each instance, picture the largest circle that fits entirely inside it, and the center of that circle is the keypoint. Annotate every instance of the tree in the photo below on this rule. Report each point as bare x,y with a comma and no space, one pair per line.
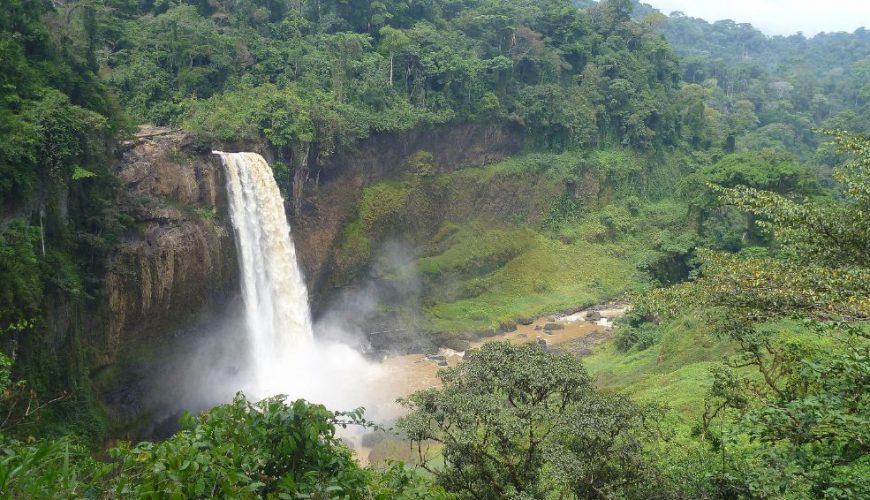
727,227
802,417
392,41
342,49
516,420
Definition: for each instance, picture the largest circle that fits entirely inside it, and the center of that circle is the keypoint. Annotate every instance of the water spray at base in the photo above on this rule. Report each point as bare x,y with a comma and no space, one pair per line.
285,358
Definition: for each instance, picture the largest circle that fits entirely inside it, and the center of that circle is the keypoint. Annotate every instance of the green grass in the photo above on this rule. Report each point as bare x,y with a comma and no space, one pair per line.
382,203
541,276
482,278
549,165
475,250
675,371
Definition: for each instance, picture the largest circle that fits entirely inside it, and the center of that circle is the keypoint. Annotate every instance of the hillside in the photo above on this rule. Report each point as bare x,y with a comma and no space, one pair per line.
449,169
772,91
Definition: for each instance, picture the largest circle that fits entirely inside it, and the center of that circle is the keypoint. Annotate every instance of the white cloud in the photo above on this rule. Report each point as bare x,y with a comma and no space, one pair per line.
777,17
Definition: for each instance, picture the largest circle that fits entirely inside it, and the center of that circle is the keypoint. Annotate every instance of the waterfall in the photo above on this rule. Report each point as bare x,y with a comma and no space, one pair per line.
276,300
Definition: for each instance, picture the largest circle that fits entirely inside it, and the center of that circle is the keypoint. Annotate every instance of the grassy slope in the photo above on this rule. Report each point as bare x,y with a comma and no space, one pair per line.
510,240
545,275
587,259
675,371
481,272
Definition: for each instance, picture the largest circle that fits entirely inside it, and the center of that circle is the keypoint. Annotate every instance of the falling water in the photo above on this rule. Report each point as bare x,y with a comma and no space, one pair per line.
285,356
276,300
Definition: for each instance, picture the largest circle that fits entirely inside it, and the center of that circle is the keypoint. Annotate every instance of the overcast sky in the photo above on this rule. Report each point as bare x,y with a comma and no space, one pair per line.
777,17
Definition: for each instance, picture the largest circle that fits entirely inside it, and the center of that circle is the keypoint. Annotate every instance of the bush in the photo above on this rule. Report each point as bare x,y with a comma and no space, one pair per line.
641,337
246,449
268,449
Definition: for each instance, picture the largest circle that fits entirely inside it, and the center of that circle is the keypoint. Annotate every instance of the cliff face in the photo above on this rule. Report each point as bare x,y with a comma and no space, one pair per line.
179,264
181,259
335,186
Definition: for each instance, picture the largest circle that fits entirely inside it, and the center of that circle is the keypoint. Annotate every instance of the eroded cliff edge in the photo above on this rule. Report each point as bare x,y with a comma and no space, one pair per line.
176,264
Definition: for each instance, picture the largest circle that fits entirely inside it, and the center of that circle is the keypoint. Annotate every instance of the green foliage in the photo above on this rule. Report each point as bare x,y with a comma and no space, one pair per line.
205,213
639,337
54,112
635,329
398,481
387,66
48,469
530,235
494,248
243,450
746,92
485,279
312,77
58,120
562,212
355,250
767,170
799,417
246,450
727,227
674,370
517,421
421,163
558,118
80,173
21,286
382,204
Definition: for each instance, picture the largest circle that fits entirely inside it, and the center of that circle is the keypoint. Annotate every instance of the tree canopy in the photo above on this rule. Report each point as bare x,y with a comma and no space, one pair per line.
518,421
801,414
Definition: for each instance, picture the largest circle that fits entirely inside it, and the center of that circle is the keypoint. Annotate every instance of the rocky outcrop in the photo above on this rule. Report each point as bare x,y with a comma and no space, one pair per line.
333,190
179,259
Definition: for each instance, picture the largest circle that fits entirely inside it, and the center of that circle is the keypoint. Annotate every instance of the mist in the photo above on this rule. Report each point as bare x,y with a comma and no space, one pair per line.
341,369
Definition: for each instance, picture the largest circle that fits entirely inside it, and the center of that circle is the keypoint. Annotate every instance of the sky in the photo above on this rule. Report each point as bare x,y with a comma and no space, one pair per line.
777,17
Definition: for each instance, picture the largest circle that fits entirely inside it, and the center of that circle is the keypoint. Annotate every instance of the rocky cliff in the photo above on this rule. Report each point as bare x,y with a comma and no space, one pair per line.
180,259
177,265
334,187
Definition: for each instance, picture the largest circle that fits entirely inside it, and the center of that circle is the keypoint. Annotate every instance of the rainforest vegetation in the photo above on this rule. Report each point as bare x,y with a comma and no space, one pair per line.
716,178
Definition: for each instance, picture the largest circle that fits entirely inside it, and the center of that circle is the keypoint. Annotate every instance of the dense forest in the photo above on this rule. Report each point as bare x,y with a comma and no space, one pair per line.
716,178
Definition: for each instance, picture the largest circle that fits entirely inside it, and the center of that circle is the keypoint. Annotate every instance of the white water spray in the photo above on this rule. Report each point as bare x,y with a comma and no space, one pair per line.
286,359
